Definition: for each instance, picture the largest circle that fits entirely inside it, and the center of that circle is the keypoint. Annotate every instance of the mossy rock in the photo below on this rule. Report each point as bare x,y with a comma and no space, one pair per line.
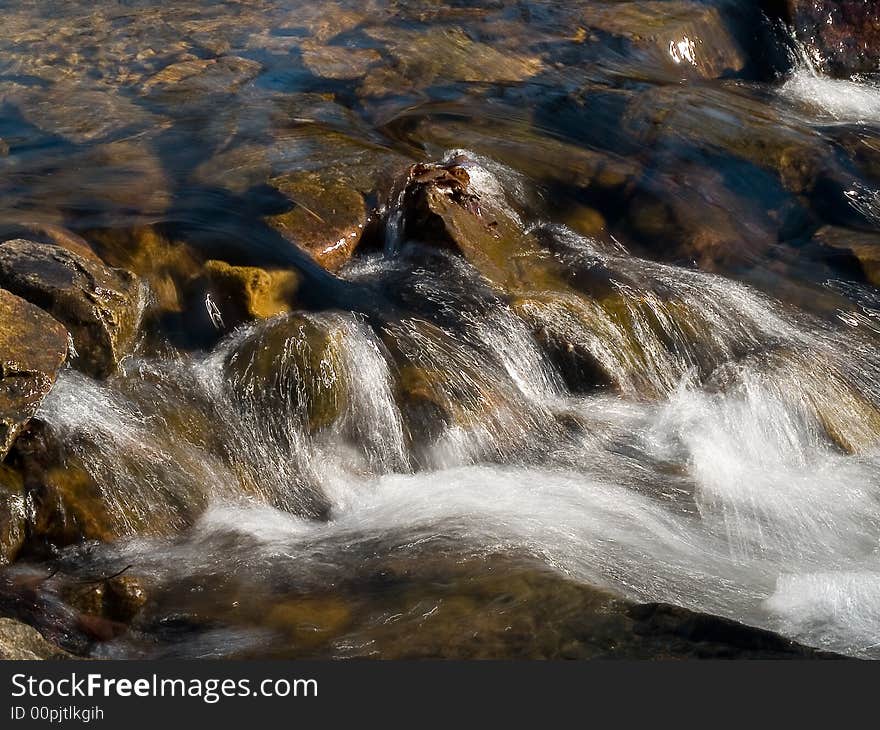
245,293
167,265
294,363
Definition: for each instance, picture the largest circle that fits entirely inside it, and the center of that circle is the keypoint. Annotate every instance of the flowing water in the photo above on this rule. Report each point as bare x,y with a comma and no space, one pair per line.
708,436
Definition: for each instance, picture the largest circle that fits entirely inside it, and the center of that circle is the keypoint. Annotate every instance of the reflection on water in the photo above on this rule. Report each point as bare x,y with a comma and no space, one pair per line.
666,389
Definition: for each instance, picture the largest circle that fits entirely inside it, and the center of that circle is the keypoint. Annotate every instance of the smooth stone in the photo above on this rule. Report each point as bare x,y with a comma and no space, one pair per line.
449,54
690,38
100,306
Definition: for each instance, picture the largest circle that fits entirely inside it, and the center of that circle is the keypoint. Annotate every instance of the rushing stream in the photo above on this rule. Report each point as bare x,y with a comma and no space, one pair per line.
670,393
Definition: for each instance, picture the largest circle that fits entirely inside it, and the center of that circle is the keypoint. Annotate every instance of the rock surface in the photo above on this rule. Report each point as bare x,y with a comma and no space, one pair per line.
33,347
100,306
19,641
326,220
842,36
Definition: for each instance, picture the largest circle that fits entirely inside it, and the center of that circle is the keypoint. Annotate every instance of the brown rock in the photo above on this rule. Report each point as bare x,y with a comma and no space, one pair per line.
690,37
100,306
166,265
22,642
338,62
842,36
327,218
450,54
33,347
864,246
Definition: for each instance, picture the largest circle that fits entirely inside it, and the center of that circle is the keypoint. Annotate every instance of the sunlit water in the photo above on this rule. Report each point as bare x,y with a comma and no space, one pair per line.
727,459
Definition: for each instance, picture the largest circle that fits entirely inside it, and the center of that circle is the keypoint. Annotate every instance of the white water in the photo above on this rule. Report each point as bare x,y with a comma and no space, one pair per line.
732,467
835,100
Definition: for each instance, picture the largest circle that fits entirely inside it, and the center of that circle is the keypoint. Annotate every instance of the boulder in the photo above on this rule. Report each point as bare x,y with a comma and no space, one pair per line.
841,36
100,306
19,641
33,347
326,219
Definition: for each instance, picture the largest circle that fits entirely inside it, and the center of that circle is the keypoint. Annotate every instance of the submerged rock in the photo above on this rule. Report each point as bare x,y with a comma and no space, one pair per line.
19,641
692,38
863,246
842,36
33,347
167,265
100,306
191,79
449,54
327,218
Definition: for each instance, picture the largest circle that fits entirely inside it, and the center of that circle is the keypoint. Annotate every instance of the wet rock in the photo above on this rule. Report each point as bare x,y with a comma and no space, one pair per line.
80,113
191,79
310,621
293,366
863,246
45,232
167,265
449,54
33,347
237,169
115,183
124,596
19,641
116,599
326,220
244,293
441,207
12,514
497,608
691,38
338,62
842,36
101,307
67,506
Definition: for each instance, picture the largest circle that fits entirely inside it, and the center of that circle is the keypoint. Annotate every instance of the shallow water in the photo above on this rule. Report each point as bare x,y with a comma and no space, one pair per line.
725,460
